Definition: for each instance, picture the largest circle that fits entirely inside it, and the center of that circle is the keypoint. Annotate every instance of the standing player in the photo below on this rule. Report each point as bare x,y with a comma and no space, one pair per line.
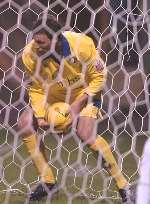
73,74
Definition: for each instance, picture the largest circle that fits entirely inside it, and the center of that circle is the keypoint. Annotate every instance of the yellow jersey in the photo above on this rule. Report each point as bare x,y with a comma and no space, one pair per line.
64,82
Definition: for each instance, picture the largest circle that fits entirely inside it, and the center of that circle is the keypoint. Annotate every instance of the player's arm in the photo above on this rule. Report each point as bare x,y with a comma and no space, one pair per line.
29,57
37,100
95,73
35,90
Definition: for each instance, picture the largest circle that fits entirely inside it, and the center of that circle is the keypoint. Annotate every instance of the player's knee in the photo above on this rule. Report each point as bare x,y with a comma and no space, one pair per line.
85,129
85,135
80,133
22,122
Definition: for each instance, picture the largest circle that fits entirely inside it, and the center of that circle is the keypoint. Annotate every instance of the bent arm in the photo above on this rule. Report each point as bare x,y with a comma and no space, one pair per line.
96,80
35,90
29,57
95,74
37,101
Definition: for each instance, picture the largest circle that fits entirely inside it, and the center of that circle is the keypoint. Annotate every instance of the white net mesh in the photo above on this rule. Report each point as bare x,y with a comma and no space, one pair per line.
120,30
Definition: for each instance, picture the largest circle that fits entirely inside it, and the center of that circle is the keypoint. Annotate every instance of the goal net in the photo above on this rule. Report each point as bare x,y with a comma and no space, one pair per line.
120,30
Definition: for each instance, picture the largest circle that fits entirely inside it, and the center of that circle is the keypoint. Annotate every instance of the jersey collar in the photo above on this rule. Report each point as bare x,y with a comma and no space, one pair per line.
65,47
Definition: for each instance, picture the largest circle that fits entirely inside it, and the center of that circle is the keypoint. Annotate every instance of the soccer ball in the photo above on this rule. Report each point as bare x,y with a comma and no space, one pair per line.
58,115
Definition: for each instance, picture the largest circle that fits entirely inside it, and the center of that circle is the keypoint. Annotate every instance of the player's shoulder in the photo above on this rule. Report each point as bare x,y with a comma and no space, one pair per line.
28,57
78,36
28,46
81,44
28,49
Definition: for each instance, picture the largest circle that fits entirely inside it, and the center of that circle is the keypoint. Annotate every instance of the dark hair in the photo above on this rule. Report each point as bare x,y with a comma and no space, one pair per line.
47,24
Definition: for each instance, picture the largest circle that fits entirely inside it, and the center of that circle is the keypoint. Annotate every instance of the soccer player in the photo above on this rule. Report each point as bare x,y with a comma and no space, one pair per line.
64,67
143,189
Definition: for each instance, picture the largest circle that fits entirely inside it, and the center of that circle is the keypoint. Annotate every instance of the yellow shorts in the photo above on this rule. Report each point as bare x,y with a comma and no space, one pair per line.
62,123
90,111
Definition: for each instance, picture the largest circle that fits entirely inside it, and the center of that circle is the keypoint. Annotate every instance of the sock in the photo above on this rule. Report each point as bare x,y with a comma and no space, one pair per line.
39,159
102,146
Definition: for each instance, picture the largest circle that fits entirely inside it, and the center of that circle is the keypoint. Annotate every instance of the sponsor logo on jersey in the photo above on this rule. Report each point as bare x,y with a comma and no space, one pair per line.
68,81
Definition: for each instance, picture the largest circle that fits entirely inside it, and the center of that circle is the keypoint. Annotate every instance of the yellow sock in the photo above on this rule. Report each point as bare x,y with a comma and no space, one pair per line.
102,146
39,159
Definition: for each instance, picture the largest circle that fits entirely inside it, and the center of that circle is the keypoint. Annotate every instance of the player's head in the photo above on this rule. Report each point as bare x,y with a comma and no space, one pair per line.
45,29
48,25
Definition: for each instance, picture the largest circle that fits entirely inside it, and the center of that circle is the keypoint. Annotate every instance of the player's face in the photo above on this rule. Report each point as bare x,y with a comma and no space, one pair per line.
43,43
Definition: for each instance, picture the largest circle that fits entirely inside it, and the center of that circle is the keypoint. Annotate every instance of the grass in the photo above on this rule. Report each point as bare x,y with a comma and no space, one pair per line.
75,169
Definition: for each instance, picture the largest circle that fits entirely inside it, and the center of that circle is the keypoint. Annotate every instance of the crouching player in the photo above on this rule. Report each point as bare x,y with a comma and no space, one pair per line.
73,75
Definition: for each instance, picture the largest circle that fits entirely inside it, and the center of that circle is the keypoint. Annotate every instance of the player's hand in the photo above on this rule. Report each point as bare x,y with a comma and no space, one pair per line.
42,122
99,65
74,110
76,107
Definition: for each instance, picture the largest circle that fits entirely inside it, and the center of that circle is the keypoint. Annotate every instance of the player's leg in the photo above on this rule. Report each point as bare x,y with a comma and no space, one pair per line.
28,125
97,143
